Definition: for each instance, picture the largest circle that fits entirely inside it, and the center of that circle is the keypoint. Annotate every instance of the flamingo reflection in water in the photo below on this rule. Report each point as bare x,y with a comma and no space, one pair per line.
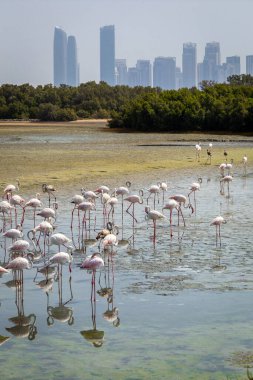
94,336
93,263
106,291
24,326
61,312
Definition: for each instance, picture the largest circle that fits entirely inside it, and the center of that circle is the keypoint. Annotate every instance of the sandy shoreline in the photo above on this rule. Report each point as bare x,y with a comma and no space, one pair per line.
88,153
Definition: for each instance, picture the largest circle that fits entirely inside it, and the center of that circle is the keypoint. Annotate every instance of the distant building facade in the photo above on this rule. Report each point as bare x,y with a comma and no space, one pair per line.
60,57
249,64
233,65
144,72
121,72
164,73
189,64
66,68
107,54
211,61
72,65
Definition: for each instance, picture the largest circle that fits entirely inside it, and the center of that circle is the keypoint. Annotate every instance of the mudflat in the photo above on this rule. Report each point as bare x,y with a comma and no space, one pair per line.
88,152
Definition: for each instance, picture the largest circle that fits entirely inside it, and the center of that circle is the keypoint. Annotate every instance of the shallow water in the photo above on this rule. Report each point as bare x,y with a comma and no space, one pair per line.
184,303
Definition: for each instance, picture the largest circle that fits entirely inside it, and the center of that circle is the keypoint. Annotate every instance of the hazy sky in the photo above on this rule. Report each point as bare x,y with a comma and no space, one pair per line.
144,29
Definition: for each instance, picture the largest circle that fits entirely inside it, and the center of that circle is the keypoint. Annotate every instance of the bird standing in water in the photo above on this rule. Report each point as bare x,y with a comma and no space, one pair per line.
93,262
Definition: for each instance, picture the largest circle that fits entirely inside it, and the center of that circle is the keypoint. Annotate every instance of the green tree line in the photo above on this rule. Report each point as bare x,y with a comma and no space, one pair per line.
65,103
215,107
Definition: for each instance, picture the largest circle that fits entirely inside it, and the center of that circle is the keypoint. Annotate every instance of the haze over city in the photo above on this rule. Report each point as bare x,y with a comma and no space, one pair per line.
144,29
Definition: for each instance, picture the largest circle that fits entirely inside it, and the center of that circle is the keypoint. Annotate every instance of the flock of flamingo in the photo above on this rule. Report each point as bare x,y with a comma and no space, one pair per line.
30,227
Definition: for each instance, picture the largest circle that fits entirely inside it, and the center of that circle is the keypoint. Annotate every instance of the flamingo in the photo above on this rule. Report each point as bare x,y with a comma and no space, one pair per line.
198,151
3,270
5,207
34,203
163,187
227,179
102,189
19,246
86,206
222,168
244,161
154,215
181,199
14,233
76,200
133,199
59,239
112,201
62,258
122,191
44,227
209,156
47,213
154,189
195,186
217,222
89,195
171,205
10,189
19,263
49,189
93,262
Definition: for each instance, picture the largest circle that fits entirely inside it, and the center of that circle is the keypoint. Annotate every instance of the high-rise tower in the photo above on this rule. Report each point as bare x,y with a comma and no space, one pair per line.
211,61
107,54
164,73
189,64
144,72
249,64
60,57
72,66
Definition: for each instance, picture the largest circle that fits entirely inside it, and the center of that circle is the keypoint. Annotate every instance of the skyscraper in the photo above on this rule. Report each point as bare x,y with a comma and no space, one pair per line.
249,64
121,71
144,72
60,57
189,64
133,77
233,65
211,61
72,66
107,54
164,73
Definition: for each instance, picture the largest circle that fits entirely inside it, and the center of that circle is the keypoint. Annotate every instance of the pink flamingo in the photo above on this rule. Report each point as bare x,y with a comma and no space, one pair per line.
49,189
76,200
93,263
171,205
62,258
34,203
10,189
133,199
59,239
154,189
195,186
19,263
154,215
217,222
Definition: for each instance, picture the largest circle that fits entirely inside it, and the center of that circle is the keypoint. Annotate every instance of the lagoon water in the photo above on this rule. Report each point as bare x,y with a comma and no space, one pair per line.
184,304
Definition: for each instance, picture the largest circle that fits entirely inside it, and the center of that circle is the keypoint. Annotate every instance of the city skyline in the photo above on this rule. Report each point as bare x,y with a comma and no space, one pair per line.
167,25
